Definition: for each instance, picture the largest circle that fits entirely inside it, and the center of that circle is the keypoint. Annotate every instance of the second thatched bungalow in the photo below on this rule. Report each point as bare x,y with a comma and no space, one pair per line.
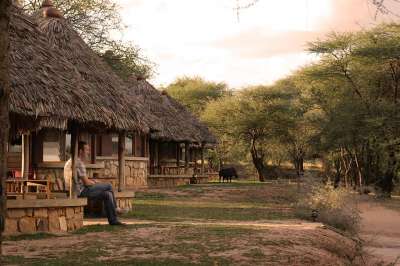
177,148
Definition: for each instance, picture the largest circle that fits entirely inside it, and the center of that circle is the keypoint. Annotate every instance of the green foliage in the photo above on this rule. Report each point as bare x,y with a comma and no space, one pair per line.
126,61
195,92
256,124
355,86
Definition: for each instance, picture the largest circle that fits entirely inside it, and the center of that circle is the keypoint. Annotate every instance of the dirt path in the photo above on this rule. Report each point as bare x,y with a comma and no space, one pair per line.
380,229
290,224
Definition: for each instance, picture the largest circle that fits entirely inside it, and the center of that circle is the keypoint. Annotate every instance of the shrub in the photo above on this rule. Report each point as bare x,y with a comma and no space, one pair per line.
336,207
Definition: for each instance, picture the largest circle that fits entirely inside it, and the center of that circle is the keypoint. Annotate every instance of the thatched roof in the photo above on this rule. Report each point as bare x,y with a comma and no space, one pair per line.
42,80
56,76
175,122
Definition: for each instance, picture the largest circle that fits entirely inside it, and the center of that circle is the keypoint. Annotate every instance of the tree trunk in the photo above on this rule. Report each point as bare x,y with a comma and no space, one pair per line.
338,172
359,173
258,162
387,184
4,112
346,165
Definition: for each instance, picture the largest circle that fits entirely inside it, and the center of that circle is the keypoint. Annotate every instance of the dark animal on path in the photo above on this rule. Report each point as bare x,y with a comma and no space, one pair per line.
227,173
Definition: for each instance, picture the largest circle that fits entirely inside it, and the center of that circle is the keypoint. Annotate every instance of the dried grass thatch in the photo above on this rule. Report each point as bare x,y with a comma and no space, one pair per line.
174,121
57,77
40,77
99,80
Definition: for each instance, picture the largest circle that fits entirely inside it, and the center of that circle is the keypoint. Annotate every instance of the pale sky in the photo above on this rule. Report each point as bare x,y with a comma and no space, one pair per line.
205,38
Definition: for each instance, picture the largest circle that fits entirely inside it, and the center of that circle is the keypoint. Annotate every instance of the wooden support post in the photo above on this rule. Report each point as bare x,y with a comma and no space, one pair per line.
202,158
178,156
25,156
121,161
147,146
93,149
156,158
194,159
187,157
63,142
74,157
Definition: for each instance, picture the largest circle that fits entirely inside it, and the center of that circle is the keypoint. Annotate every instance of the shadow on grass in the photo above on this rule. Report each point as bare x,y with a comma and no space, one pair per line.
99,228
84,230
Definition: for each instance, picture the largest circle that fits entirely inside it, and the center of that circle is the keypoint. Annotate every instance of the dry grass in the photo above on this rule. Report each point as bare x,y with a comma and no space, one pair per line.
336,207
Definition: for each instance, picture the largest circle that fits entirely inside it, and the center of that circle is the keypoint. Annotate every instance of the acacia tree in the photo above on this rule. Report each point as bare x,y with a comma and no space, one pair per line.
298,131
356,85
126,60
195,92
4,113
254,119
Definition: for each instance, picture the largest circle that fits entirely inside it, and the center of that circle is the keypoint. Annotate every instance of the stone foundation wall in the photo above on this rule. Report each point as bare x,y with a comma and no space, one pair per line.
202,179
136,171
33,220
165,182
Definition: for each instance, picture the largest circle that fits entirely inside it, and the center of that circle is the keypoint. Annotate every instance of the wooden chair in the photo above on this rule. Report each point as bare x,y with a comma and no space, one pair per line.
42,187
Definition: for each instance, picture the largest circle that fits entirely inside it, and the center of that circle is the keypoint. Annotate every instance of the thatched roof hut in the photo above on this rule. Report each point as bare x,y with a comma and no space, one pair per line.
95,92
175,122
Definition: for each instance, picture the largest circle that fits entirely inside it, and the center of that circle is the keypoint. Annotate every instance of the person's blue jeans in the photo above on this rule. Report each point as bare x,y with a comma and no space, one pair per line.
105,193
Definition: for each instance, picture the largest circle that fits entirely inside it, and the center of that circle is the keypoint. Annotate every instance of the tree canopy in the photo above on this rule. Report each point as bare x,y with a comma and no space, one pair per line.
195,92
342,109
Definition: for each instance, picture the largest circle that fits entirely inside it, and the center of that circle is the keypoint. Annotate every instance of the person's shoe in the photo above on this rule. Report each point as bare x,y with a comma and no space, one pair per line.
118,223
120,211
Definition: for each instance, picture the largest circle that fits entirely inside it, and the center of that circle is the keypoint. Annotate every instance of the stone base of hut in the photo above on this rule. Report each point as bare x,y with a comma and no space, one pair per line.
53,215
166,181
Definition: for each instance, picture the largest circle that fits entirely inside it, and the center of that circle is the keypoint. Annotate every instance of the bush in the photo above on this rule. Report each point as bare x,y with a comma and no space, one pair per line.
336,207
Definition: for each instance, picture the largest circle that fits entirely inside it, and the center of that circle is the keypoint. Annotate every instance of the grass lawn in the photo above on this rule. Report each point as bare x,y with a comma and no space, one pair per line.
237,201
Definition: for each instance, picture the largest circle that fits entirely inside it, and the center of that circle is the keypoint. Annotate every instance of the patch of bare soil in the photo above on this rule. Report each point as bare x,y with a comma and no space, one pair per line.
380,229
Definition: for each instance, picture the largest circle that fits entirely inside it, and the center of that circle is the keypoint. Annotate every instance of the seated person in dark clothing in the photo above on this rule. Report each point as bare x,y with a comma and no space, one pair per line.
89,188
